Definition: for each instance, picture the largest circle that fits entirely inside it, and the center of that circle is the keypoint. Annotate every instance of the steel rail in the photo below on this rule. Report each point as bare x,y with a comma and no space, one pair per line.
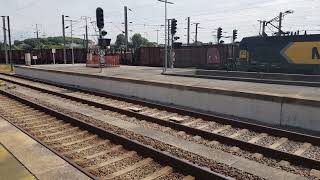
51,149
205,116
277,154
181,165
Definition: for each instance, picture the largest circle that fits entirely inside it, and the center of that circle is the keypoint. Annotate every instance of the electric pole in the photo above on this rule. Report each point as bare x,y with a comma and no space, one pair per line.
84,40
276,19
37,31
157,36
5,39
71,30
280,24
188,35
126,27
165,30
263,28
196,36
169,27
10,46
86,45
64,41
72,43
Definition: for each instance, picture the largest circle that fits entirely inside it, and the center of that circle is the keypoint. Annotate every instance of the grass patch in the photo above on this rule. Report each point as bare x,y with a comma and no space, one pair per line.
4,68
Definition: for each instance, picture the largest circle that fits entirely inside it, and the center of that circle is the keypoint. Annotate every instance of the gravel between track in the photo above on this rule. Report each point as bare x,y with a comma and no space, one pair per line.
267,141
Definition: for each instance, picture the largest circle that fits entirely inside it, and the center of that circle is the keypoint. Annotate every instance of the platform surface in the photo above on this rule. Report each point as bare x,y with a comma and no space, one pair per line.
9,164
153,74
25,158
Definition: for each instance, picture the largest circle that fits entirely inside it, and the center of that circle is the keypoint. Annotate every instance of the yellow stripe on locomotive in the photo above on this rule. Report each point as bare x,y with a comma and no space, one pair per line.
302,52
244,55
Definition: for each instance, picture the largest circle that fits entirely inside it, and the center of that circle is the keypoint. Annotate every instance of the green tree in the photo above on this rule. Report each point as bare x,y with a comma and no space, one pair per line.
149,44
120,41
139,41
47,43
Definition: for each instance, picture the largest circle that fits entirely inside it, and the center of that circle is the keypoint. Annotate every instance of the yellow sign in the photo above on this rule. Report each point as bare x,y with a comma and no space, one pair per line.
302,52
244,55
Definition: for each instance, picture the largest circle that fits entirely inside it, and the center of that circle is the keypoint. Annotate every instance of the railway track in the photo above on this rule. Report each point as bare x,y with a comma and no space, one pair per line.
96,152
299,149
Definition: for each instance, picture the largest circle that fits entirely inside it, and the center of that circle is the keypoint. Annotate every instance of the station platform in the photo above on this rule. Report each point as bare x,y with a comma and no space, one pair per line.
279,105
21,157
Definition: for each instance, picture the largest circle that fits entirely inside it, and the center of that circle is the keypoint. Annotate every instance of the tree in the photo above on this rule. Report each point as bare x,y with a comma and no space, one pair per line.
47,43
150,44
139,41
120,41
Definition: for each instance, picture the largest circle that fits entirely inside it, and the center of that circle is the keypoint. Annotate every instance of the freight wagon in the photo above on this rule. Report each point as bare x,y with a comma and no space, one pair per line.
206,57
289,54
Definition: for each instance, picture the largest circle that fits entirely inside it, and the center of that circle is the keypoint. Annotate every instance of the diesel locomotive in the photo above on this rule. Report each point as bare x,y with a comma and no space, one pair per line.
283,54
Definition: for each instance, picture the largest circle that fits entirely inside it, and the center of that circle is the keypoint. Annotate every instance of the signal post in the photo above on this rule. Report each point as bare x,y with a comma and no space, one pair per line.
102,42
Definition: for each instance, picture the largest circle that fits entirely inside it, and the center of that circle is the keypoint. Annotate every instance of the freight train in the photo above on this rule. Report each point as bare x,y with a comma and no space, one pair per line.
277,54
285,54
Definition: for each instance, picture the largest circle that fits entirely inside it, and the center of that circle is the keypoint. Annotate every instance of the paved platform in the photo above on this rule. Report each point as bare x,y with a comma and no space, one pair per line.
11,168
153,74
24,158
280,105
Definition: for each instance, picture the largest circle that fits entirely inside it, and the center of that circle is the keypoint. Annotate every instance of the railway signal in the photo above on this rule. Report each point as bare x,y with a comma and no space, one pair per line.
173,26
102,42
219,34
104,33
100,18
234,35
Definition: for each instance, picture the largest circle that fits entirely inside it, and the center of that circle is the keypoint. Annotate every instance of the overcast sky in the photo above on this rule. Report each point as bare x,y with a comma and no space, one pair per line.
147,16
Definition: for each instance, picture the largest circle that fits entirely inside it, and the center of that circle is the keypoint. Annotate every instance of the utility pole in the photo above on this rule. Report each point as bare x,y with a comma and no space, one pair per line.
169,27
165,29
5,39
64,41
263,28
10,47
196,37
86,45
280,24
157,36
71,30
37,31
188,35
84,40
126,27
126,31
276,19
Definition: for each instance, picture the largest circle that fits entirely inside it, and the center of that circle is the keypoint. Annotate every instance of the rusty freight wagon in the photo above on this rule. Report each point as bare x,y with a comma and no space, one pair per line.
206,57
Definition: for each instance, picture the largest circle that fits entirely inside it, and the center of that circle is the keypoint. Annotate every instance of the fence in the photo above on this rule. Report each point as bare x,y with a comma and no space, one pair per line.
45,56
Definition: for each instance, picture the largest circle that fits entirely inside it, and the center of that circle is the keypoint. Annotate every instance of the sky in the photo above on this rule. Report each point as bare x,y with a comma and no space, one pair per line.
147,16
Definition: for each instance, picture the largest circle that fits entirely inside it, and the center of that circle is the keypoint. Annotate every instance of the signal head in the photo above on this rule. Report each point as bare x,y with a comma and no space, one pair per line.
100,18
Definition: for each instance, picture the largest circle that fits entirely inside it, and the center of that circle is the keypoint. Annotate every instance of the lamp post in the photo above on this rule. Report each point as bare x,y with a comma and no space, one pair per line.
165,32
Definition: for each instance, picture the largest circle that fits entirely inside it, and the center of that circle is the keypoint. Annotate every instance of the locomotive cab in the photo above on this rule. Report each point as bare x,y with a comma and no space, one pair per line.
285,54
